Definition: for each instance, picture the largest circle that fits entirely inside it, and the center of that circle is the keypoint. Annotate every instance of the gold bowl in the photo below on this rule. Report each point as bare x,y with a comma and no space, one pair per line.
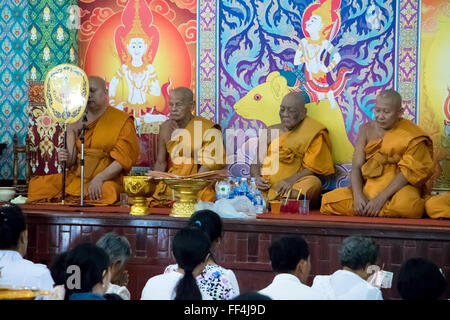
138,189
186,191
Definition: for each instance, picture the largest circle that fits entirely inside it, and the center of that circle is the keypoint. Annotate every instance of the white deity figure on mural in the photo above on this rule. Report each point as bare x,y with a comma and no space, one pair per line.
135,87
320,23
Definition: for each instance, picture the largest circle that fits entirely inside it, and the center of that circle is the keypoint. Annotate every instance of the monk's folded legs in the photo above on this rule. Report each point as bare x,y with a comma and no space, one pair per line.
312,187
405,203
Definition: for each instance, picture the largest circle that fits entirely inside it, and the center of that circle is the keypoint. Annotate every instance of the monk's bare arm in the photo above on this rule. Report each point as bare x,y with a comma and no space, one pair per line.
359,158
161,156
70,153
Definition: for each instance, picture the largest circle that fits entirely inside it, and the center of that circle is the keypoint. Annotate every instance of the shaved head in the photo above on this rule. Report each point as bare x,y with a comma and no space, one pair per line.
393,96
184,93
101,83
296,99
292,110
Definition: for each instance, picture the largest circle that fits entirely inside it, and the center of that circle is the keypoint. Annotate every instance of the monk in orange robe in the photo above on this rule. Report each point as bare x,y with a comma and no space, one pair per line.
438,206
391,163
299,150
187,144
111,148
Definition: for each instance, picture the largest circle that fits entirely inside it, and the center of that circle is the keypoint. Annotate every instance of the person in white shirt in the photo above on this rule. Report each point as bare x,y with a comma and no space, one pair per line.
190,248
15,271
291,263
350,283
218,282
119,251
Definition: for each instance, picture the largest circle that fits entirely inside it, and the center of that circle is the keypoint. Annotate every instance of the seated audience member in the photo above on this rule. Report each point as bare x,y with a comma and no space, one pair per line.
15,271
291,263
420,279
299,151
190,248
88,274
391,163
350,283
438,206
58,271
252,295
119,252
193,136
218,282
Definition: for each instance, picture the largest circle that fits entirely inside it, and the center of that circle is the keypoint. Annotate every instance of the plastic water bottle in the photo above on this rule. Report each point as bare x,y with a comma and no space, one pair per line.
258,202
222,190
243,190
231,187
237,185
252,189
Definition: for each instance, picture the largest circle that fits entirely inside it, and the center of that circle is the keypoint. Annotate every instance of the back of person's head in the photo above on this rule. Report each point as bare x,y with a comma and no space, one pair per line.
190,248
91,261
252,295
286,252
208,221
58,268
357,252
12,224
117,247
420,279
112,296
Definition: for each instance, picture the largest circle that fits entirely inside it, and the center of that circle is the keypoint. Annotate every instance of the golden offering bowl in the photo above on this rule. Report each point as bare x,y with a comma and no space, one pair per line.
186,191
20,294
138,189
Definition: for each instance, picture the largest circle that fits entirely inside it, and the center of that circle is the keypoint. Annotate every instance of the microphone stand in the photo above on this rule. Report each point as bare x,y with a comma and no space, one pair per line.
81,136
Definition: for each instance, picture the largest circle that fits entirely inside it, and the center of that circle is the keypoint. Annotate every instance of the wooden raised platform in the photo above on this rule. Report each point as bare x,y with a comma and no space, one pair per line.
244,249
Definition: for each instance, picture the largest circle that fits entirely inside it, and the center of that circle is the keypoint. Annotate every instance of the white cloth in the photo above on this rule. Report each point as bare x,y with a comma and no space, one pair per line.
286,286
346,285
162,287
18,272
121,291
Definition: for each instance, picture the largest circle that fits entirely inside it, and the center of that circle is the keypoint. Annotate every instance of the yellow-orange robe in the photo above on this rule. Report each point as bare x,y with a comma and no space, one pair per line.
406,148
438,206
111,137
306,147
202,151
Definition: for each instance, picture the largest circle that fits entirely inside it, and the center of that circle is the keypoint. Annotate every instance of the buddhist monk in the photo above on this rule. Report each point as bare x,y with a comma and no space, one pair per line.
111,148
187,144
438,206
391,162
299,150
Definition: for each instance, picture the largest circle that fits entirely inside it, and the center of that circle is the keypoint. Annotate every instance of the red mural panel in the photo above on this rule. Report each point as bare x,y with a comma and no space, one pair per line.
143,48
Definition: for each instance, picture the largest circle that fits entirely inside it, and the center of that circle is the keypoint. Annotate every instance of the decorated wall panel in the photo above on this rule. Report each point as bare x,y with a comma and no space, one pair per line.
13,72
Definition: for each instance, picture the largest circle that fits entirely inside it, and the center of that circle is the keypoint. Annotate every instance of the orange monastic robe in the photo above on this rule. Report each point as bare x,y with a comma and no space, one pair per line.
306,147
202,148
406,148
438,206
111,137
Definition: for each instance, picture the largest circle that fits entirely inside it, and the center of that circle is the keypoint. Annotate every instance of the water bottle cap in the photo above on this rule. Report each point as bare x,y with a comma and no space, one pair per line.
253,179
244,179
238,178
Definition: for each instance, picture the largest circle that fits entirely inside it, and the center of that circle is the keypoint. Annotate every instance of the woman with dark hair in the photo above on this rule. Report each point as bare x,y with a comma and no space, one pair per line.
420,279
216,281
15,271
87,273
357,254
190,248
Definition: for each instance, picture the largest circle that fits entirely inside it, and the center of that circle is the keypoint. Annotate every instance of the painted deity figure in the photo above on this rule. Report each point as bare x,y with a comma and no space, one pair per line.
320,24
135,86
